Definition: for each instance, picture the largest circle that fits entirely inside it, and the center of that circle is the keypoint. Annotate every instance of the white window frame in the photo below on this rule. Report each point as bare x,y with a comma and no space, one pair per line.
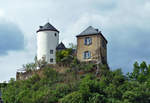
88,40
87,55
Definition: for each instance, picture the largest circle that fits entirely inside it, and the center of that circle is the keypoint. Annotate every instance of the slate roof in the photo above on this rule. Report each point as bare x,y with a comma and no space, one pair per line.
47,27
60,46
91,31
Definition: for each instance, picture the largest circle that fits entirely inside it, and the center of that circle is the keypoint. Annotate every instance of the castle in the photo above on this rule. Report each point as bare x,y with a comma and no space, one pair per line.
91,45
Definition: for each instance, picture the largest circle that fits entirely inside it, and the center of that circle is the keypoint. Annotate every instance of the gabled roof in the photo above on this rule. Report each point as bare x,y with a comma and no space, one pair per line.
47,27
91,31
60,46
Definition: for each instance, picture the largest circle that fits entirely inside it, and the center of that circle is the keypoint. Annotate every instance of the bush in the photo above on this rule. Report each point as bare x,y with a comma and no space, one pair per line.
75,97
50,73
64,57
60,90
51,87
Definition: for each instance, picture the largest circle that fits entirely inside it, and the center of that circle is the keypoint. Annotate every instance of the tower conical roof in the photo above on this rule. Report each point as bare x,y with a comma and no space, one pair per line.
47,27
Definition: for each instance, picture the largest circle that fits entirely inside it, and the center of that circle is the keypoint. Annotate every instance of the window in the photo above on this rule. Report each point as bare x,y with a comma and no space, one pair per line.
51,60
51,51
55,34
88,41
103,44
87,55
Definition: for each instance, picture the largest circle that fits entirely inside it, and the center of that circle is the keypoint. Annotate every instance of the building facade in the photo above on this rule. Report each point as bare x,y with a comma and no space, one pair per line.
47,41
91,46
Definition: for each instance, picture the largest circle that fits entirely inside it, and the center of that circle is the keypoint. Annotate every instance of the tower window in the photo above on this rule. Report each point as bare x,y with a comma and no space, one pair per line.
51,60
87,55
55,34
88,41
51,51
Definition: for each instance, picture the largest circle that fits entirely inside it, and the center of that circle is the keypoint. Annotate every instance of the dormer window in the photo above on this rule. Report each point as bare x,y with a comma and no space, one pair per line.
55,34
88,41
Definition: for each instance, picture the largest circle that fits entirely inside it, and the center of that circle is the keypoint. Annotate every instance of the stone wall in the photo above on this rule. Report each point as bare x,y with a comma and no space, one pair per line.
98,52
26,75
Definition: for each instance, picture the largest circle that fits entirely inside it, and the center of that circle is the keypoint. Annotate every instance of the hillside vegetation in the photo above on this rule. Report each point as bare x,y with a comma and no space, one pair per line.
79,83
72,86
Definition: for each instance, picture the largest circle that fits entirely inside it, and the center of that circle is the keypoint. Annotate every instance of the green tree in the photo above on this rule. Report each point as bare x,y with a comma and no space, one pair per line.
64,57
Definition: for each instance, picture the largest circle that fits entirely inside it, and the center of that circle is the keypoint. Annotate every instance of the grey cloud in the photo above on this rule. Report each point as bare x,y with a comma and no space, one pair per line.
128,46
11,37
105,5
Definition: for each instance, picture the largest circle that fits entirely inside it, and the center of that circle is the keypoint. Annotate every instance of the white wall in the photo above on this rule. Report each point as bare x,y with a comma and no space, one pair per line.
46,41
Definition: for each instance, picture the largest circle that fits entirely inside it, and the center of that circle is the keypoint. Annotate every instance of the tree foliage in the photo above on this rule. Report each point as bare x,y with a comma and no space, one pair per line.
64,57
111,87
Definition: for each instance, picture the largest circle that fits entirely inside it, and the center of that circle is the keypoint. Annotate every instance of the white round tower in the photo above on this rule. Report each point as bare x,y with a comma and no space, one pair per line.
47,41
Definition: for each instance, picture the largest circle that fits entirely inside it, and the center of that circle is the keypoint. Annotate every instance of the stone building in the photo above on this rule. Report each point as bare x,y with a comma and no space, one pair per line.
91,46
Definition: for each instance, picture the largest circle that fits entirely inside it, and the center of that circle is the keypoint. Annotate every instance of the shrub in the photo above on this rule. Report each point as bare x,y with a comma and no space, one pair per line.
50,73
75,97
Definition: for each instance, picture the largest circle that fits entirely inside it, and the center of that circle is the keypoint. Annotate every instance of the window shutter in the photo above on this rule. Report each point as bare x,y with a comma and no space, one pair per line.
89,54
85,41
90,40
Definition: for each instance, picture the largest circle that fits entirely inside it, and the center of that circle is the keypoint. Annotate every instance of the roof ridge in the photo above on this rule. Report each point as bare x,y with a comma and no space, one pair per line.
89,30
47,26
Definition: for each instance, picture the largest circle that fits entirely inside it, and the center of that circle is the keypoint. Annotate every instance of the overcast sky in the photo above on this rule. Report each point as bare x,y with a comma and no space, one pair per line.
124,23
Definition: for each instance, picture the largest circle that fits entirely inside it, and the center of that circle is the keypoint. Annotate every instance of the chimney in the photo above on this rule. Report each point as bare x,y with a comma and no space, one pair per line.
97,30
40,27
